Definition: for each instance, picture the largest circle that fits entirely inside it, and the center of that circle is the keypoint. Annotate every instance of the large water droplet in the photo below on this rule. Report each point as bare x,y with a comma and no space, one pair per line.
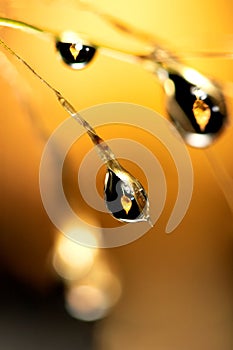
196,106
75,55
125,197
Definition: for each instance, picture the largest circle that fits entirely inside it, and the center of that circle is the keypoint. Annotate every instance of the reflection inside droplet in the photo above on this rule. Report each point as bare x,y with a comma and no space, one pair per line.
75,55
201,113
195,111
125,197
126,203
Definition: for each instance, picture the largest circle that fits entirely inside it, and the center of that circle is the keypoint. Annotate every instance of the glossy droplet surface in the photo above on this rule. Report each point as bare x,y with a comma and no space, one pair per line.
123,202
199,114
75,55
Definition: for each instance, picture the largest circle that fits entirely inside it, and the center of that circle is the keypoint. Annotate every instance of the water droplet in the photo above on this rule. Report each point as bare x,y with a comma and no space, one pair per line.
75,55
125,197
199,113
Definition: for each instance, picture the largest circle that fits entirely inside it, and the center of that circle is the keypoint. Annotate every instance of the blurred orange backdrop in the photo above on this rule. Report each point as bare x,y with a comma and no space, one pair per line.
177,289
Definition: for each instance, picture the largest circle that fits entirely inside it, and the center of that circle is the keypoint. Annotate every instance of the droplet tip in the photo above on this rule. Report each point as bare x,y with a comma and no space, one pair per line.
150,222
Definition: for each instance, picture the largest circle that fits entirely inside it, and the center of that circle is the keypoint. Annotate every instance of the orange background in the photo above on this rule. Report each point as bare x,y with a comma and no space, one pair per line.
177,289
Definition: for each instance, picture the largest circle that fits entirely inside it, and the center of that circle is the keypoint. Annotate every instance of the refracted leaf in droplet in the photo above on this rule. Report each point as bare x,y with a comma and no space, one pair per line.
73,50
201,113
126,203
125,197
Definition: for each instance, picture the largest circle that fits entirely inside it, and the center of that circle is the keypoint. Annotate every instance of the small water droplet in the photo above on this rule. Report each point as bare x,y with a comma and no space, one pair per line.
75,55
130,206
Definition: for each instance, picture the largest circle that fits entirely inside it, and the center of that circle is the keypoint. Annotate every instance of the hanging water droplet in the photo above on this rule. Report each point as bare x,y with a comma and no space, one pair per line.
75,55
195,104
125,197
